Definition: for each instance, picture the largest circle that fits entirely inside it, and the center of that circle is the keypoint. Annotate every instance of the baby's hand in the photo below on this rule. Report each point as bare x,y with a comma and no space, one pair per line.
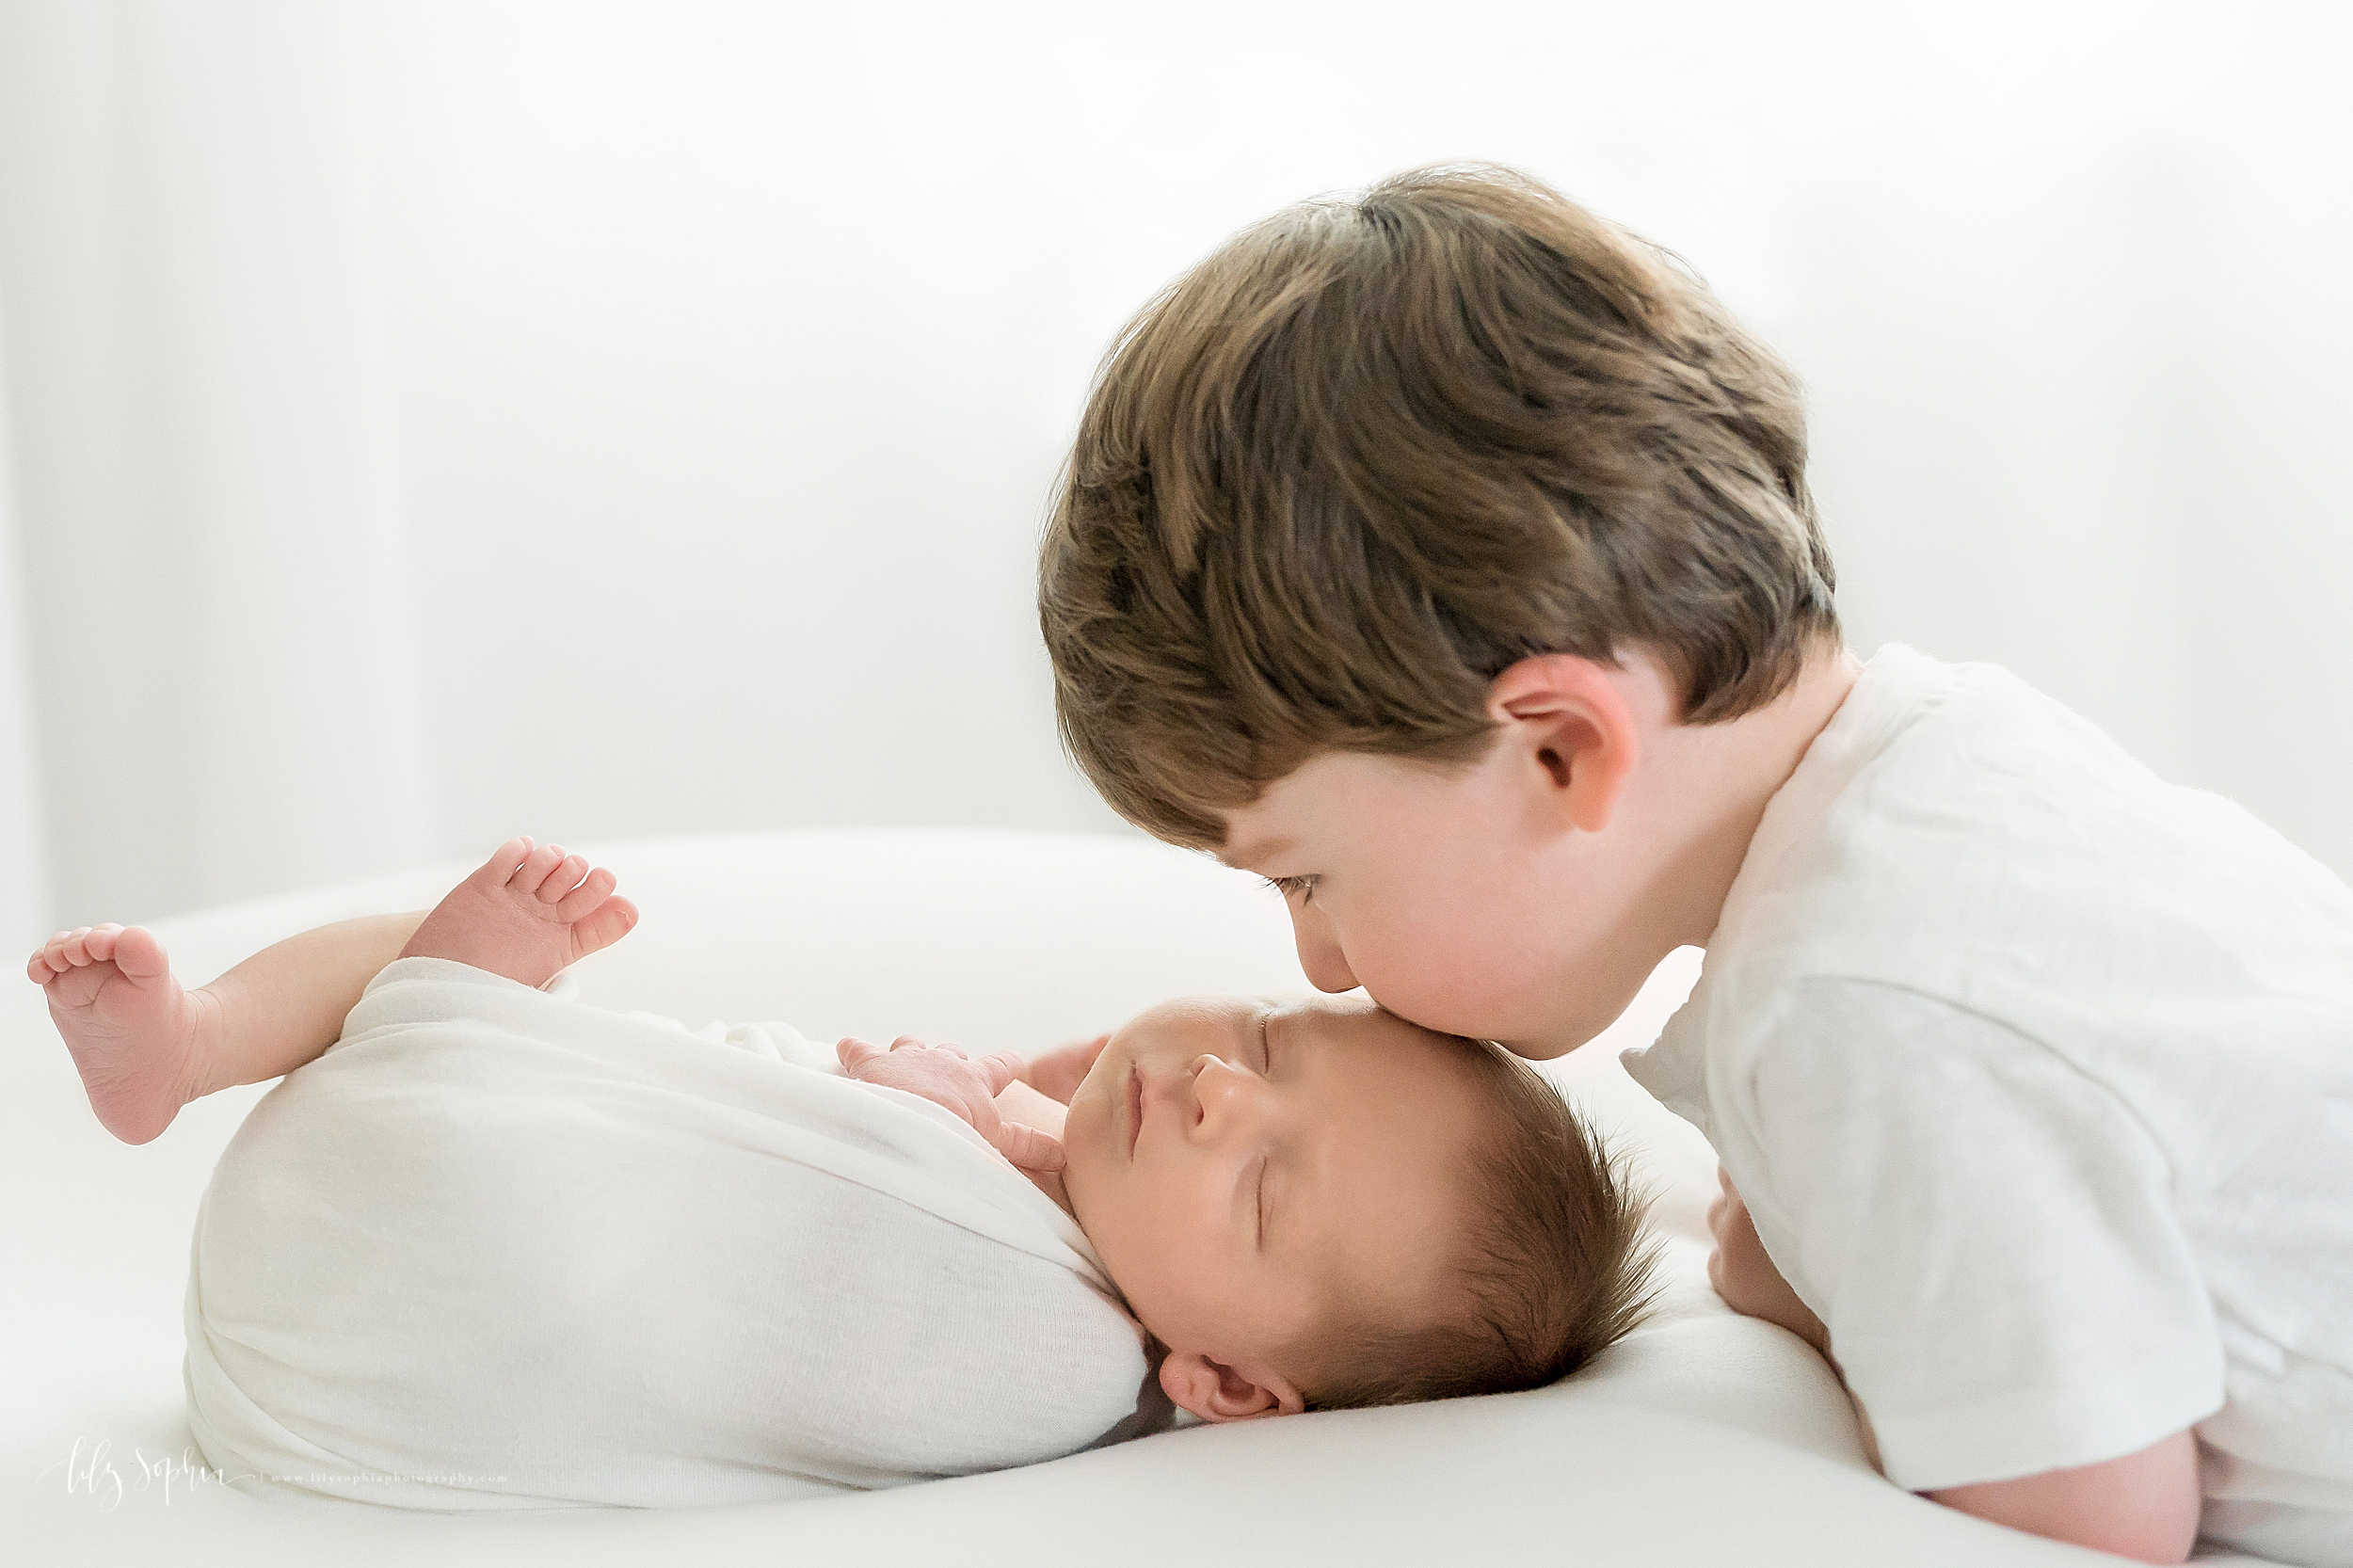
946,1077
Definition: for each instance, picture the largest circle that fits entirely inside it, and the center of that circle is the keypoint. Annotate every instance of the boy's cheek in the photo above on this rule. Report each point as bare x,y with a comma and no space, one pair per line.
1486,986
1434,951
1439,983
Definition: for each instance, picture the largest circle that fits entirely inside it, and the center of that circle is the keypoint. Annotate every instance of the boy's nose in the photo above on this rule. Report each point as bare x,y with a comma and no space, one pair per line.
1320,956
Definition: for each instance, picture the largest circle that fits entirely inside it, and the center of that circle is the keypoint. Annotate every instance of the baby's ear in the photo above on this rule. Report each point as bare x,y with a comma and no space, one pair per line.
1215,1392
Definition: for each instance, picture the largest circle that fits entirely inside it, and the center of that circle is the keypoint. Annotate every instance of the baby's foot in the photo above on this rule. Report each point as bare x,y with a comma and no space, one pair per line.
140,1040
527,914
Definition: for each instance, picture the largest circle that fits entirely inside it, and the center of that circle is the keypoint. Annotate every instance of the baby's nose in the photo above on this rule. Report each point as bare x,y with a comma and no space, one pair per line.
1208,1069
1220,1091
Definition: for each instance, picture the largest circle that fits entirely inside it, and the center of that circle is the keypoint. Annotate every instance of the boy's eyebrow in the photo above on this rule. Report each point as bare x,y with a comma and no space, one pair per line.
1248,853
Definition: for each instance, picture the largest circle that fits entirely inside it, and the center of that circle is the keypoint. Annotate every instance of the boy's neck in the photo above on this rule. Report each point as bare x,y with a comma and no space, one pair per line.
1713,782
1657,878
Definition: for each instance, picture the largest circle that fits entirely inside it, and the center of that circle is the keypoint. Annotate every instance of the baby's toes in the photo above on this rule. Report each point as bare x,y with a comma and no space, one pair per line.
535,869
602,926
566,877
506,860
139,954
591,892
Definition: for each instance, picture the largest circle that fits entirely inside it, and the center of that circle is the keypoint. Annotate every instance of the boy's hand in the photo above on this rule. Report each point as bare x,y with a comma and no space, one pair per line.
946,1077
1743,1273
1058,1073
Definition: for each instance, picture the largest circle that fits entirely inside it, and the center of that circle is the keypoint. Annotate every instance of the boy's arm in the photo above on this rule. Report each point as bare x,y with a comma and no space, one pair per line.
287,1004
1744,1274
2143,1505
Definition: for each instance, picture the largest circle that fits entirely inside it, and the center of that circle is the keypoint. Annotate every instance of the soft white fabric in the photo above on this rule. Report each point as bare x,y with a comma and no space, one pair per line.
499,1249
1704,1439
2037,1073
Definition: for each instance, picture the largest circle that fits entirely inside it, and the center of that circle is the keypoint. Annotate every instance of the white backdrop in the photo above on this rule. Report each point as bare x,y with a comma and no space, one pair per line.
437,420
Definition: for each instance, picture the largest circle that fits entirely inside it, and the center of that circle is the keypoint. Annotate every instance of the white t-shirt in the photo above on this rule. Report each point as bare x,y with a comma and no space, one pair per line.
2036,1073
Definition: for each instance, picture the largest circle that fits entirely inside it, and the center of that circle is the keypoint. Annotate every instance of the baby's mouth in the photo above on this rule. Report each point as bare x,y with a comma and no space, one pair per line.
1135,1108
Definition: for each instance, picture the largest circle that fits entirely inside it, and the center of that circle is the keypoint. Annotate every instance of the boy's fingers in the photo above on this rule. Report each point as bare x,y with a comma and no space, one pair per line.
854,1053
1030,1147
1002,1067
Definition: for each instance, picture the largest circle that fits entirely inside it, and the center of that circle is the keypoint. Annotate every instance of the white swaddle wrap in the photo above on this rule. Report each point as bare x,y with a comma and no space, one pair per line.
499,1249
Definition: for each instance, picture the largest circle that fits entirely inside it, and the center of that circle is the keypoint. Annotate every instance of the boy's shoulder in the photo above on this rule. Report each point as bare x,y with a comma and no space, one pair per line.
1950,815
1956,837
1981,965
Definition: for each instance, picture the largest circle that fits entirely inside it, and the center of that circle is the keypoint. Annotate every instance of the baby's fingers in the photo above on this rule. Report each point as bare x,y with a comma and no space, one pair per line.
854,1053
1031,1148
1002,1068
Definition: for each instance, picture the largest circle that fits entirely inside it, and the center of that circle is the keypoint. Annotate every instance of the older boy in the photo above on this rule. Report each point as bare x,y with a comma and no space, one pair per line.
1446,557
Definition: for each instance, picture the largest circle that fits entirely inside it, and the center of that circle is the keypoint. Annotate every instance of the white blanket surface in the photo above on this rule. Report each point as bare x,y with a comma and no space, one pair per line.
499,1249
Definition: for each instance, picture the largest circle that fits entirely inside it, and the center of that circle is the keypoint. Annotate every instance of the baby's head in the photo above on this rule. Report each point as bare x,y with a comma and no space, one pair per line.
1316,1203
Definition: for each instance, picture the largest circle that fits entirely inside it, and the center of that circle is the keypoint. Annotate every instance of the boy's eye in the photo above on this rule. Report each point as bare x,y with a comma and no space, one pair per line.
1303,888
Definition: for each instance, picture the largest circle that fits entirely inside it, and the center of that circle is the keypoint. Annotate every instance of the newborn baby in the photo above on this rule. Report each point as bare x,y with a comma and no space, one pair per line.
1306,1205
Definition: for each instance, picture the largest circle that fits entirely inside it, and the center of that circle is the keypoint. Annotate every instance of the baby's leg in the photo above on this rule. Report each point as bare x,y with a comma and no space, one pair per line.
145,1046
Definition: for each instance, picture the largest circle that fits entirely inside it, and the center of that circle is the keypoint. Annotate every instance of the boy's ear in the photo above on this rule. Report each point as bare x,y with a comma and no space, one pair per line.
1215,1392
1566,716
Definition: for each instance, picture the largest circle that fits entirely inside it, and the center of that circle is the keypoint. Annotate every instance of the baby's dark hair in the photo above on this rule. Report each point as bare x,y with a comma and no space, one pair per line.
1551,1267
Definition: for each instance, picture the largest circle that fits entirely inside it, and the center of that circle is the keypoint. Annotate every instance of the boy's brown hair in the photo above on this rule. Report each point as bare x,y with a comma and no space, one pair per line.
1370,453
1549,1271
